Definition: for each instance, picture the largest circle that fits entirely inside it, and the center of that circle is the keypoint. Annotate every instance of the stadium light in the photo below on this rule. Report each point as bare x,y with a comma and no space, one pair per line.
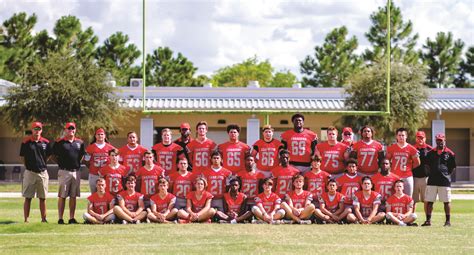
267,112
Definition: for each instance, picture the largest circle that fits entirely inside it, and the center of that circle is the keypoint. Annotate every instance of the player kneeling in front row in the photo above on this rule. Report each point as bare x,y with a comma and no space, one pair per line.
331,205
267,208
399,207
198,204
101,205
298,204
235,205
130,208
162,204
366,204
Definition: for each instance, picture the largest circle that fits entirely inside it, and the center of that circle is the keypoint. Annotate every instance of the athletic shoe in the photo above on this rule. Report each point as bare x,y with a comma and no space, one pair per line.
305,222
426,224
44,221
258,221
138,222
447,224
286,222
61,222
124,222
402,224
414,224
233,221
72,221
148,220
276,222
223,222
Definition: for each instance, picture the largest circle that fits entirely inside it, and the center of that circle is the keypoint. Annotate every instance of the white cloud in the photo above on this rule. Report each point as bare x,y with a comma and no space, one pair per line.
213,34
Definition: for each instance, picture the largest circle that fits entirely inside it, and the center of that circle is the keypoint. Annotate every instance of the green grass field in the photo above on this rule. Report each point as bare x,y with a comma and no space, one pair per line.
34,237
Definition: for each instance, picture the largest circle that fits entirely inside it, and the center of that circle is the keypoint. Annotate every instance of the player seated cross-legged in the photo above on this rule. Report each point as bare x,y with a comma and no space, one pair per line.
366,205
130,208
399,207
235,205
331,205
198,204
162,209
267,205
100,205
298,204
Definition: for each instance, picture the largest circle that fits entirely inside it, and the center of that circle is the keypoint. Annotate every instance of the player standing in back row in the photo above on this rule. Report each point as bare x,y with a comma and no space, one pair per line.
265,151
300,143
234,151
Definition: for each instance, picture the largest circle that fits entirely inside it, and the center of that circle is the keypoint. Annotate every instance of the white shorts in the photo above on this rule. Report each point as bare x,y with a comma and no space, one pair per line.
443,193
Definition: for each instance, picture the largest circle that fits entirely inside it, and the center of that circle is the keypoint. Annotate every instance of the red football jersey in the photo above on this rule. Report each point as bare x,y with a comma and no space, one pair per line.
100,205
234,155
198,204
132,158
366,205
182,184
167,156
283,176
234,205
269,202
401,159
331,203
332,157
384,185
299,144
162,203
200,154
250,183
267,154
348,185
367,156
131,201
316,183
299,201
113,178
98,157
217,181
149,179
399,205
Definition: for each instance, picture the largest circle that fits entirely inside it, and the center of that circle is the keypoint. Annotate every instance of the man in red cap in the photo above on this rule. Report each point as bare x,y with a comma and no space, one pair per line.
441,164
69,152
35,151
419,173
347,136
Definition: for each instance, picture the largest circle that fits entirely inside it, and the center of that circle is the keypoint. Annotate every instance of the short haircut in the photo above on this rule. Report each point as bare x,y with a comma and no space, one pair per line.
216,153
399,180
351,161
200,123
316,158
165,130
296,177
368,178
233,126
162,180
114,150
331,180
401,130
148,152
131,178
100,179
200,178
268,179
284,151
248,155
297,115
332,128
131,132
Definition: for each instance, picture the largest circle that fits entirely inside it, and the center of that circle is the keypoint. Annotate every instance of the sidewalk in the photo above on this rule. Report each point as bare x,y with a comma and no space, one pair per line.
86,194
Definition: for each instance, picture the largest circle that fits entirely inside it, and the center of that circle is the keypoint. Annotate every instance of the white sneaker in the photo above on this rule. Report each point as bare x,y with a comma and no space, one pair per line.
305,222
286,222
257,222
402,224
233,221
148,220
223,222
124,222
276,222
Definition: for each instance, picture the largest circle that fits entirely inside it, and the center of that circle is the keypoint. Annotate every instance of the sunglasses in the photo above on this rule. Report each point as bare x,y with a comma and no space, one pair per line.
71,128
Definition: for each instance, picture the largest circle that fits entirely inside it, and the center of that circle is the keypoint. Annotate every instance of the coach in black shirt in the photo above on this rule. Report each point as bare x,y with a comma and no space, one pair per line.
35,151
441,164
69,152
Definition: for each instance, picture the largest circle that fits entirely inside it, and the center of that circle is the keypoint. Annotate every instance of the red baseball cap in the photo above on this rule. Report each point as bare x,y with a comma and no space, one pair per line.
420,134
36,124
100,130
70,124
440,136
347,129
185,125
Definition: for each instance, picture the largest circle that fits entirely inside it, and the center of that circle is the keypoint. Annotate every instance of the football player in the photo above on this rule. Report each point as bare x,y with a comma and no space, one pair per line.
267,205
198,204
298,204
366,204
266,151
235,205
331,205
100,206
333,154
162,209
234,151
400,207
130,208
368,152
114,173
131,154
283,174
200,149
167,152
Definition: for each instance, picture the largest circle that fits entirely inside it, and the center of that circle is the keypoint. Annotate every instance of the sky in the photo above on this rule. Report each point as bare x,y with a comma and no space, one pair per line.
217,33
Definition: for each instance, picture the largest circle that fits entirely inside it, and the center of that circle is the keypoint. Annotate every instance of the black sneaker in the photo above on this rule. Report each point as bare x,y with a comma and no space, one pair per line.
44,221
61,222
413,224
426,224
447,224
72,221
